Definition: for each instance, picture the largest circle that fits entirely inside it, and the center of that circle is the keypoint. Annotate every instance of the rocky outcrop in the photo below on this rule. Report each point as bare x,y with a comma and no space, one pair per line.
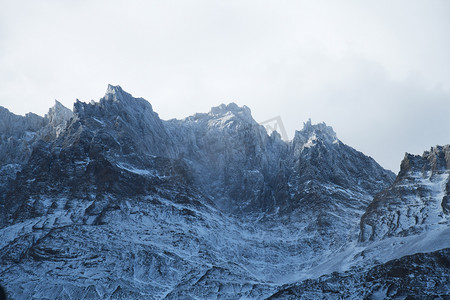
19,135
16,136
232,158
417,201
125,125
331,183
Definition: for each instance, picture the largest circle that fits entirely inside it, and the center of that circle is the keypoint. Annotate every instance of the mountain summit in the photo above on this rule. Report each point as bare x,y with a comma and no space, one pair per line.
312,134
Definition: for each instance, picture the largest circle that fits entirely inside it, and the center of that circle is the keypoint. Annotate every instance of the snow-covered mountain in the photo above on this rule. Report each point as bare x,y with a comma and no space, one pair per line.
110,201
418,201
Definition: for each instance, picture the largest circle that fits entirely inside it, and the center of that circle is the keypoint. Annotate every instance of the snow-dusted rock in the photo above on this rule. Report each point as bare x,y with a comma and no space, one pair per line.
123,124
56,120
18,134
418,276
233,159
418,200
18,137
113,202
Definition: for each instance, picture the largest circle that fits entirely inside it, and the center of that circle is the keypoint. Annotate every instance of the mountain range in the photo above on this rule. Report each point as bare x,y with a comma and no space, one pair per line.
108,201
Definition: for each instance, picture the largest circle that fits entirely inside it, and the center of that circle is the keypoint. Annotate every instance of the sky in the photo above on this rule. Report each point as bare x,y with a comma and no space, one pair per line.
378,72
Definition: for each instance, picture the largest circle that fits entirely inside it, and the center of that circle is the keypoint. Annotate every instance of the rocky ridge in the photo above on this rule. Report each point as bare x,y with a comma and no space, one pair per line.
417,201
113,202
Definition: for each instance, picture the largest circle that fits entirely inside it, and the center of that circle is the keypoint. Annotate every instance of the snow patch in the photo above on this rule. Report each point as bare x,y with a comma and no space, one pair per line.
134,170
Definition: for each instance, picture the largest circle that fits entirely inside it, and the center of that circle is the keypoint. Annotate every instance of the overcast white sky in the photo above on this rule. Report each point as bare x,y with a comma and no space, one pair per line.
377,71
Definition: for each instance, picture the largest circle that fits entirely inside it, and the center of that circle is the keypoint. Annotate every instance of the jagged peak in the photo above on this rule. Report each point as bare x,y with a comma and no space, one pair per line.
311,133
118,100
319,127
58,114
116,93
58,106
114,90
232,107
115,101
436,150
232,110
437,158
118,106
225,115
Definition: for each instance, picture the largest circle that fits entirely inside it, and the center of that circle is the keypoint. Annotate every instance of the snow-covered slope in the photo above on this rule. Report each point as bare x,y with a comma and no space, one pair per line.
404,232
418,276
113,202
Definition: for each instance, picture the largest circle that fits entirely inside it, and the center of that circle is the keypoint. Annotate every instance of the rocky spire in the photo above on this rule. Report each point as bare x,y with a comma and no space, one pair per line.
58,114
311,134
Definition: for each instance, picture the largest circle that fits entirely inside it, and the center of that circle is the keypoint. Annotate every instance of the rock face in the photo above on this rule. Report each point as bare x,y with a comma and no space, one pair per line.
56,120
18,137
126,125
18,133
416,202
330,183
110,201
232,157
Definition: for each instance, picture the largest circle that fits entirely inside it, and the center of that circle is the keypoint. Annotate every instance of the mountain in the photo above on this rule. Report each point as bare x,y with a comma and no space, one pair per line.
110,201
